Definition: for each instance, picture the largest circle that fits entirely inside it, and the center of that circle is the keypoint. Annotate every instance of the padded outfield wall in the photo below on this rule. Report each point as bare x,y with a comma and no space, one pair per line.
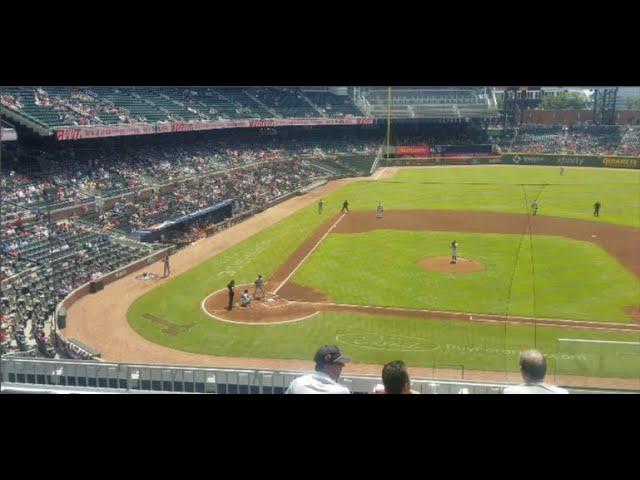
606,161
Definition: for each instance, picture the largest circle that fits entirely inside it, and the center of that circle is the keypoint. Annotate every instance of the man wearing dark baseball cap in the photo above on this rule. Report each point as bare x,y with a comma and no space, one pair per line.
329,363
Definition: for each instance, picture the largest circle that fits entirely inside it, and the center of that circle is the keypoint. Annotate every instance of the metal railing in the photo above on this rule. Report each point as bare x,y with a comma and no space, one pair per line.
91,376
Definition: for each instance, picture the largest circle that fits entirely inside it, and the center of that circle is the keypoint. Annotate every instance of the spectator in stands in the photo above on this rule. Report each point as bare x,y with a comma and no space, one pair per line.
329,364
395,379
533,368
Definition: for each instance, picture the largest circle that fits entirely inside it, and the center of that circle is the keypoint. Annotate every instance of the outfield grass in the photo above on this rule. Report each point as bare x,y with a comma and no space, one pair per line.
573,279
503,189
178,300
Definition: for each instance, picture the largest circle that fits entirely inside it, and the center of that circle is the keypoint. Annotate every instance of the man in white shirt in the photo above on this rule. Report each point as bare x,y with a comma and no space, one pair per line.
533,368
329,363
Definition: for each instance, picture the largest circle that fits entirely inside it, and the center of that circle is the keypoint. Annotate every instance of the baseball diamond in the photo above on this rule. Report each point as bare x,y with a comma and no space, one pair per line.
302,305
276,230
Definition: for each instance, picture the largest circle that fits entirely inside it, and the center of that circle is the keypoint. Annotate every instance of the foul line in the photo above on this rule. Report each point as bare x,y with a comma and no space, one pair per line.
483,317
379,173
308,254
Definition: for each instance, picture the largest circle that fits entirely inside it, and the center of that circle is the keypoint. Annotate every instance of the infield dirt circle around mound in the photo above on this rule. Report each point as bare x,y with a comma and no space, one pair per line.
444,265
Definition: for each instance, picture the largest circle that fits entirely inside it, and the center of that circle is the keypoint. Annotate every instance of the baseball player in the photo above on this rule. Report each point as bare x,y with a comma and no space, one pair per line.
167,267
230,287
245,299
596,209
561,170
379,210
320,205
345,207
259,286
534,207
454,251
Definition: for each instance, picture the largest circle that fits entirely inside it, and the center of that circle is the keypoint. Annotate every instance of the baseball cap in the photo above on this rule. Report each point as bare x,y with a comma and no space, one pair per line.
329,354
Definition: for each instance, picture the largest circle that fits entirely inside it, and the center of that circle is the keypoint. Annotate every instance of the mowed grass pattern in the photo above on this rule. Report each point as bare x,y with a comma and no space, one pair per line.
573,279
505,189
179,299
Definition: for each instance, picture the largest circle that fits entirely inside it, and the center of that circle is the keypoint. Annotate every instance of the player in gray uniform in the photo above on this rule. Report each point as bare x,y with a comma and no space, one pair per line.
379,210
534,207
259,284
320,205
454,251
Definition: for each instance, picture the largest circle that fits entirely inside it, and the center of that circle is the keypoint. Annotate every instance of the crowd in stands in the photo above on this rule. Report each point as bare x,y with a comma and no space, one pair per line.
89,106
630,142
60,256
589,140
74,174
252,187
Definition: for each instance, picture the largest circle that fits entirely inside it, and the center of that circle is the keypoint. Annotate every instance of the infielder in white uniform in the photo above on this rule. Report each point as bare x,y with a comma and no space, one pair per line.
454,251
379,210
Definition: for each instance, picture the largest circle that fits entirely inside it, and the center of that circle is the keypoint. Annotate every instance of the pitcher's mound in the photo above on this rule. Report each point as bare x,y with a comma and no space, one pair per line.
444,265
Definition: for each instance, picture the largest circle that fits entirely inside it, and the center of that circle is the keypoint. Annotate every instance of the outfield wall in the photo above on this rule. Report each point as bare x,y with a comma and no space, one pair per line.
522,158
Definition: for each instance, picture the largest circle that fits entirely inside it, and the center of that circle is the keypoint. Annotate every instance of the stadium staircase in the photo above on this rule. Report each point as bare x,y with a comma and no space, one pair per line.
266,107
243,99
312,105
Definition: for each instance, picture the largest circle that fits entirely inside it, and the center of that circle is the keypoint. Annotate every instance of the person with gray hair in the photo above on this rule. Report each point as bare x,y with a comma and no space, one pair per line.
533,368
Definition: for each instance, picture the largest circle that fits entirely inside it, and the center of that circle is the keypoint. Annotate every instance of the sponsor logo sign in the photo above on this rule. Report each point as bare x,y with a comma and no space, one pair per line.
619,162
413,150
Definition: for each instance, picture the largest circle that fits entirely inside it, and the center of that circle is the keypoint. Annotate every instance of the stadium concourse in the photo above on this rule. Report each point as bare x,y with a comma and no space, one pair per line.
103,178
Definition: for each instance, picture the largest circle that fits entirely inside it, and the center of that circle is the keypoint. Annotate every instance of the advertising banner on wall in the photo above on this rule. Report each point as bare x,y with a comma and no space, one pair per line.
413,151
79,133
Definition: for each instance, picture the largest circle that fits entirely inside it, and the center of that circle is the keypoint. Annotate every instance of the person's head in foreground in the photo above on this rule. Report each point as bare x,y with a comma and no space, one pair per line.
533,368
329,363
330,360
395,378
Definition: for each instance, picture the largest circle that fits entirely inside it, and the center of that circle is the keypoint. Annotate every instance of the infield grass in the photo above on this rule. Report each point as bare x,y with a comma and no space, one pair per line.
573,279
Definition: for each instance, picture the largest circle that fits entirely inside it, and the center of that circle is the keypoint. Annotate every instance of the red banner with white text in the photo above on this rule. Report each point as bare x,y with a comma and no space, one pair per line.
413,151
145,129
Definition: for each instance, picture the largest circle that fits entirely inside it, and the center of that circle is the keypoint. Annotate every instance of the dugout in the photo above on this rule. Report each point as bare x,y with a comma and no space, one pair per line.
215,213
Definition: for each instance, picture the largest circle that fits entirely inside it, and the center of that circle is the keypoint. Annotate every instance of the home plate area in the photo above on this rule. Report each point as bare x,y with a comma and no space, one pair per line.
270,309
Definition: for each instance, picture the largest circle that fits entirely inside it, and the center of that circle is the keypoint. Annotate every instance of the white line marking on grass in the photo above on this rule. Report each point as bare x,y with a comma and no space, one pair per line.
379,173
482,317
308,254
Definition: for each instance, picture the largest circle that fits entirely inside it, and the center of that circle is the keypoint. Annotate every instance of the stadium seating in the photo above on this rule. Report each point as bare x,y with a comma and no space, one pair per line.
441,103
333,105
54,107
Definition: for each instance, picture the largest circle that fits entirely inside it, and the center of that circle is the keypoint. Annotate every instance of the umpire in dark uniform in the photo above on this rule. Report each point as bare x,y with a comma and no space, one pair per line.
230,286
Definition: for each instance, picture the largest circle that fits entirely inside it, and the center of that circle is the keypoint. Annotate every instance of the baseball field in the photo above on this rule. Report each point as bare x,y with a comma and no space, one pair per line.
384,288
